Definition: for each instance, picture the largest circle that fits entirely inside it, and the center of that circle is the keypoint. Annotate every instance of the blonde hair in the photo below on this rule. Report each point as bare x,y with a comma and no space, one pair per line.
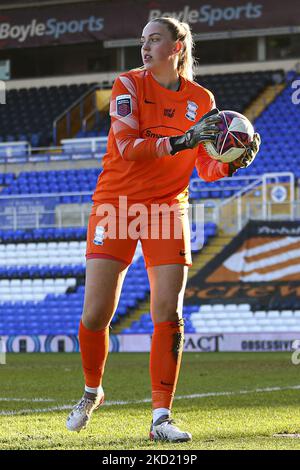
181,32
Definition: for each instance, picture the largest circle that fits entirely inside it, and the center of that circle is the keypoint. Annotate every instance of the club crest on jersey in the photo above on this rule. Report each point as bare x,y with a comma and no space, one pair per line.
191,112
99,235
123,105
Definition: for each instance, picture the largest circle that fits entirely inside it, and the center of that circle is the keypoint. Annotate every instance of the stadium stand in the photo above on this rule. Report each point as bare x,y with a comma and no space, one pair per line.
29,113
41,281
145,326
245,87
55,181
42,270
241,319
281,138
84,180
237,90
230,318
42,299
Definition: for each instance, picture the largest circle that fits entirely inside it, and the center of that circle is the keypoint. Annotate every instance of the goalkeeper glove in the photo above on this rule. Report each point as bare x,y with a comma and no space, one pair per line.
204,130
248,156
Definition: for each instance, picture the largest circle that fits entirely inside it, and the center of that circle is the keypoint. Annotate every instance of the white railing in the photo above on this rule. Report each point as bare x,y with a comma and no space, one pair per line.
28,211
231,214
70,149
259,201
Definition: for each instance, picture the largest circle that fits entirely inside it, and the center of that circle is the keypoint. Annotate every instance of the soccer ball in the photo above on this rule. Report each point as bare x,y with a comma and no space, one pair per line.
236,131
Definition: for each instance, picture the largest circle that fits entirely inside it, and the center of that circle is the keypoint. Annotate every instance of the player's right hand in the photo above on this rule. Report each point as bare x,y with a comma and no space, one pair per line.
206,129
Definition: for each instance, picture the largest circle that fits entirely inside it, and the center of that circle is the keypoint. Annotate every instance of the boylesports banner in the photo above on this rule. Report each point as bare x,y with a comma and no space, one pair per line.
125,19
216,342
260,265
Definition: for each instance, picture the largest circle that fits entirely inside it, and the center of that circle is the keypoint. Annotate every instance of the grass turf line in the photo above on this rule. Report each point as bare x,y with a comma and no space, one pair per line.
243,421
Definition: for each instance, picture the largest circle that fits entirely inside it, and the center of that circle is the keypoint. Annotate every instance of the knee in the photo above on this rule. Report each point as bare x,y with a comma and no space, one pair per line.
95,318
167,310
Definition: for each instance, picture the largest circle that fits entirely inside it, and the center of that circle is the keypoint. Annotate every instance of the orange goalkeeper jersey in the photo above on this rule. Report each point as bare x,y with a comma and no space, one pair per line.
138,163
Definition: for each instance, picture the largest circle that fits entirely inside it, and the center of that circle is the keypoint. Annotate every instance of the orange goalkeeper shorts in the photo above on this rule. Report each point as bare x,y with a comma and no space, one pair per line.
164,236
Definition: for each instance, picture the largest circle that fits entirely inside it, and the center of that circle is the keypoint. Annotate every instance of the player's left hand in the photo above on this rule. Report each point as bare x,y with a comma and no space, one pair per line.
248,156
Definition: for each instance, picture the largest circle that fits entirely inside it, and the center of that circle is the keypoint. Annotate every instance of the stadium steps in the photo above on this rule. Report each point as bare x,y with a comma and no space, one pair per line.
200,259
263,100
210,251
144,307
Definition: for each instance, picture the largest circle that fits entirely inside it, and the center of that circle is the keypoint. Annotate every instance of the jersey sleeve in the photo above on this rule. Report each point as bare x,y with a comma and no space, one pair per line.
124,112
209,169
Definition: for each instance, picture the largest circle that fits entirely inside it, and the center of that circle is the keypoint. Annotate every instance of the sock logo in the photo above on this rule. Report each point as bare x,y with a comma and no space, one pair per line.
164,383
177,348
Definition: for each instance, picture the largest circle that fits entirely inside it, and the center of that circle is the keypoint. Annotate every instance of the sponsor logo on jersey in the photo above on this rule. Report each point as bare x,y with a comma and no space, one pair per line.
191,112
124,105
153,135
99,235
169,112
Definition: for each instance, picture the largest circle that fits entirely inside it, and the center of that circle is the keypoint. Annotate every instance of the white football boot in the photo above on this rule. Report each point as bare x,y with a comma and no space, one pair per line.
81,413
164,430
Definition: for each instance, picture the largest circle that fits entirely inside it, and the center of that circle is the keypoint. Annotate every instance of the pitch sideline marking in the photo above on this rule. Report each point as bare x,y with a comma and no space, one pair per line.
136,402
30,400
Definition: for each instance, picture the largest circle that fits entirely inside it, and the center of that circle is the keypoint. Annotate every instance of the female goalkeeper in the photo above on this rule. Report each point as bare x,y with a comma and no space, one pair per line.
160,117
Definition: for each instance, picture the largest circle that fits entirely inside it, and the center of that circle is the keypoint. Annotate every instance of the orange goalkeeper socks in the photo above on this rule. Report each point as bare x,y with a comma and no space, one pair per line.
94,350
165,360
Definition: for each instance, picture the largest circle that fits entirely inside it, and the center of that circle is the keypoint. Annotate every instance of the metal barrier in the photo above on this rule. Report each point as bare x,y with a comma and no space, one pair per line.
71,149
69,121
269,196
43,211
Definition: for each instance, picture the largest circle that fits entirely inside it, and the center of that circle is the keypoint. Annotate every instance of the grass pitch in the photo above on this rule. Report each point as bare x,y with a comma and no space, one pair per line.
226,400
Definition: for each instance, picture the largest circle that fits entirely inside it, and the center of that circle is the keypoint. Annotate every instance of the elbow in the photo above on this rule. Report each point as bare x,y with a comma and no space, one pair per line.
127,156
204,176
